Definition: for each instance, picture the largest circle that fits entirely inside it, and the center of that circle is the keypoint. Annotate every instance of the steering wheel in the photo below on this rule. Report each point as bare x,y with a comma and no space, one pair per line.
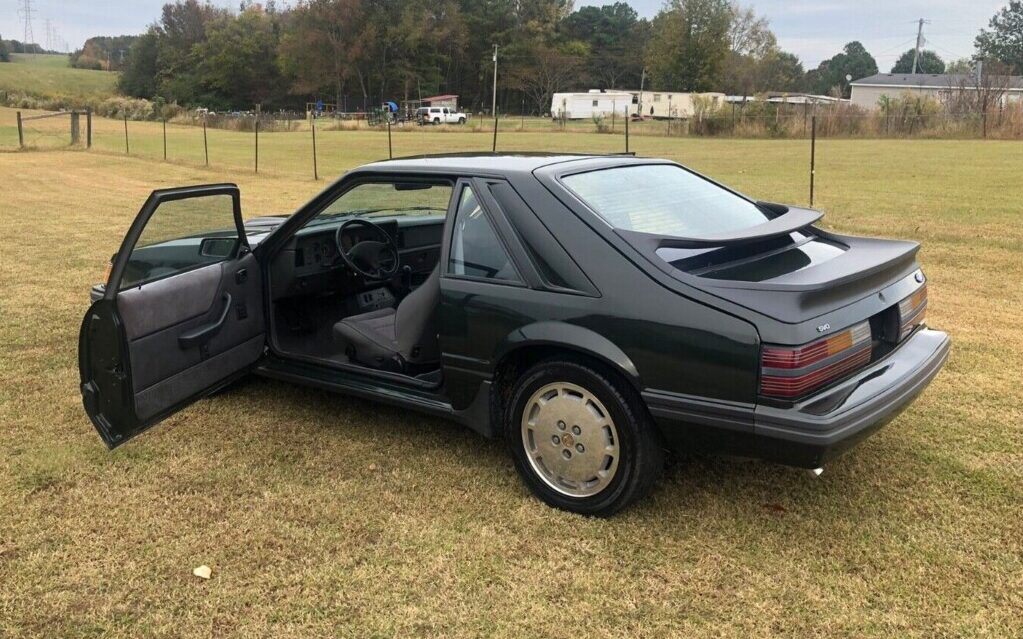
372,259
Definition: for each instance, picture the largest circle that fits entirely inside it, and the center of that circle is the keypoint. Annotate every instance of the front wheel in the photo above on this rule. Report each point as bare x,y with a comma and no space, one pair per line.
581,439
461,120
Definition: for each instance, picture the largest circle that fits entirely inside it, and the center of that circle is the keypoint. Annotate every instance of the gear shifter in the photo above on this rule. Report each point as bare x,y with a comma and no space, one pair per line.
406,278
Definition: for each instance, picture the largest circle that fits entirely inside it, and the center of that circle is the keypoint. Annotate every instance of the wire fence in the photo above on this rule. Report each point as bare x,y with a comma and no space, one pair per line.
326,147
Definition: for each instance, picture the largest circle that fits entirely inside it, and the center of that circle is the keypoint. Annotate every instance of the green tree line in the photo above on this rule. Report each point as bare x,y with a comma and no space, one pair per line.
361,52
358,53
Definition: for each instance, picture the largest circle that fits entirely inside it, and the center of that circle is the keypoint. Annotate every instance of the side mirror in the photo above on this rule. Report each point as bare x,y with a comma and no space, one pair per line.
218,247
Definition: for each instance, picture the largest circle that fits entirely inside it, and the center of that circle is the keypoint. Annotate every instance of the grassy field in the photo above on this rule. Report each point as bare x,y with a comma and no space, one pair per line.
327,516
49,74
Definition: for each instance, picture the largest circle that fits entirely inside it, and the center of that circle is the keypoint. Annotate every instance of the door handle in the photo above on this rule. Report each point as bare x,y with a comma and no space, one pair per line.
203,334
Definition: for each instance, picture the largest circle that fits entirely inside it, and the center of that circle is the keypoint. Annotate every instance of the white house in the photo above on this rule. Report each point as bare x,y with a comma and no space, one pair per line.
581,106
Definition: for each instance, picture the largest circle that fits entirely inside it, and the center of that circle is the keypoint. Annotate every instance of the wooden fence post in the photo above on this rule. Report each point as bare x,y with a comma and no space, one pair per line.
257,144
21,133
76,129
627,118
813,153
165,139
494,149
205,142
126,150
390,152
88,127
316,175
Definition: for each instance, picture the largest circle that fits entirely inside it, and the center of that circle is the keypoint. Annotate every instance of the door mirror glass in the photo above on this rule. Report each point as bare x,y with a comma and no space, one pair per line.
181,235
218,247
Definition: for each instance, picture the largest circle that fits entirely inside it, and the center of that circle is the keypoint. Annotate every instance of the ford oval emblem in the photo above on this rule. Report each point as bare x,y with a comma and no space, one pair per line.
823,327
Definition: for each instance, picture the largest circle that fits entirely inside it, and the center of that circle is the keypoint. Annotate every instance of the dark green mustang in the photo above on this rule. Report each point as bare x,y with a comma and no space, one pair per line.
590,310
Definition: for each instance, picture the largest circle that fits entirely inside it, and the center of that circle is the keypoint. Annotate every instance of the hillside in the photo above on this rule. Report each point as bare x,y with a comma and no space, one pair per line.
49,75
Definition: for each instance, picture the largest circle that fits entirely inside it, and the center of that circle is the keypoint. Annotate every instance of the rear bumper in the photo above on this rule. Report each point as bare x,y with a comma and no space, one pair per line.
811,432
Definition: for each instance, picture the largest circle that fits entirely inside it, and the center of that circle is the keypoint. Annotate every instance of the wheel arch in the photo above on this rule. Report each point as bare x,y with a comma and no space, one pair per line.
547,340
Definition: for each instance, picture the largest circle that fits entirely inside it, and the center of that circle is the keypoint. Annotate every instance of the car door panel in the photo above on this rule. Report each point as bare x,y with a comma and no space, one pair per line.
156,305
157,355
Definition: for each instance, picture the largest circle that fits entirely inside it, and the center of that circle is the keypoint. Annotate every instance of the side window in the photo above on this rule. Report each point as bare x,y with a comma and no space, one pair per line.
182,235
476,250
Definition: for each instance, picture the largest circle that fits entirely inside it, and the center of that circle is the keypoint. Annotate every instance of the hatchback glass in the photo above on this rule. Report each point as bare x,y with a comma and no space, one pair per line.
665,200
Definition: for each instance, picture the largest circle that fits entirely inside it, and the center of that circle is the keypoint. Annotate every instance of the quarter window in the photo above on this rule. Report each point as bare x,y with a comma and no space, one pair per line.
476,250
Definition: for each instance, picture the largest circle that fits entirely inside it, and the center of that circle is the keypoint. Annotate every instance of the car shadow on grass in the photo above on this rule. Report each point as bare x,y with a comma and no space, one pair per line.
347,428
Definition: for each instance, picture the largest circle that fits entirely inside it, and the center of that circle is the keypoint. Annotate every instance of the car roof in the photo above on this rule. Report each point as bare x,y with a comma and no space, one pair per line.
496,163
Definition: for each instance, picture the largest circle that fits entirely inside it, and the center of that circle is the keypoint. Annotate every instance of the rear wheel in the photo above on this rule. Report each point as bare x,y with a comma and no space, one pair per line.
436,120
461,120
581,439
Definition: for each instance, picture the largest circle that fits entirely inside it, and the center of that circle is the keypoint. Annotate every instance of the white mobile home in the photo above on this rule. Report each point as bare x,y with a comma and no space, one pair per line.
673,104
581,106
868,92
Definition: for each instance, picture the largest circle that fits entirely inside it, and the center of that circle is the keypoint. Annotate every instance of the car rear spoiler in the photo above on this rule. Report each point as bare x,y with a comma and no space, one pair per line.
788,220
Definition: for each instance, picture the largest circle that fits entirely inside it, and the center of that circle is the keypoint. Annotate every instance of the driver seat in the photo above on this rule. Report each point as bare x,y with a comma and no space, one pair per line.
401,340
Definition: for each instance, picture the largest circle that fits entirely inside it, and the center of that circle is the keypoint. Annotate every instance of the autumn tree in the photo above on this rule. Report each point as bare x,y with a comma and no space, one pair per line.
1004,42
689,41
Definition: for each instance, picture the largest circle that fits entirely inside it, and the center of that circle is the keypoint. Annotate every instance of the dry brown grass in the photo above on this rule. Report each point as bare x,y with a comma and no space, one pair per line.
327,516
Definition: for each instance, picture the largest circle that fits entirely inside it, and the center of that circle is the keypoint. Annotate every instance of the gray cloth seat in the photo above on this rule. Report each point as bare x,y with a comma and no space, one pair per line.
402,339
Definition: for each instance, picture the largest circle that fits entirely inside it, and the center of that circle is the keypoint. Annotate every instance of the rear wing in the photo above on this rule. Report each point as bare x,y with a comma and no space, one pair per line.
790,219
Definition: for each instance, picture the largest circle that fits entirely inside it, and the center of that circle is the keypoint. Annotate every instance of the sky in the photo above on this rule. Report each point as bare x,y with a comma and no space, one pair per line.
813,30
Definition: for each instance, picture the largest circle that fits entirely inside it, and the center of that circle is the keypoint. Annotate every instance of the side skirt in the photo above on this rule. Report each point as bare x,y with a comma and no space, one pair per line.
476,416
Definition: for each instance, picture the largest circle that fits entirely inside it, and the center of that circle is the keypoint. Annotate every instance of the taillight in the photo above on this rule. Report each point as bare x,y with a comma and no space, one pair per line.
912,311
794,371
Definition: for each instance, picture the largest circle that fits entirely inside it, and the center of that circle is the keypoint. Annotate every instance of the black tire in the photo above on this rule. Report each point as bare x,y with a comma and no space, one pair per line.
641,453
461,120
436,120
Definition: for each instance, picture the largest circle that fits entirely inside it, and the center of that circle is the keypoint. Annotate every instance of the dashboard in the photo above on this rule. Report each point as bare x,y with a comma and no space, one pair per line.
310,263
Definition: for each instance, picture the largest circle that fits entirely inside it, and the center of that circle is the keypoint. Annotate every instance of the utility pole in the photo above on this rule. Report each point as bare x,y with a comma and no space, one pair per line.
919,43
493,104
642,81
26,12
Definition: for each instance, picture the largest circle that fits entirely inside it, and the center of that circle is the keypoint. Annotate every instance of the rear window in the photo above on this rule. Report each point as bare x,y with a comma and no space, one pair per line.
663,199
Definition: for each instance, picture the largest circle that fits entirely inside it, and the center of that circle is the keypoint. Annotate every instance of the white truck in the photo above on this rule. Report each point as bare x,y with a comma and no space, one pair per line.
440,115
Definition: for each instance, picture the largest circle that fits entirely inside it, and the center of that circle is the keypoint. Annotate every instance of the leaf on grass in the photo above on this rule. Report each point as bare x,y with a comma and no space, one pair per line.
202,572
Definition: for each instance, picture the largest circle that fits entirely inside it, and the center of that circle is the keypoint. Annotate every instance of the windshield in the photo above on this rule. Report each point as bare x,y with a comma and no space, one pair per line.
663,199
387,199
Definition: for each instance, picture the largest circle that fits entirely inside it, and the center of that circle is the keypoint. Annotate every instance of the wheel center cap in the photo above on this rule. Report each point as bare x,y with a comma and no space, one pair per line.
567,439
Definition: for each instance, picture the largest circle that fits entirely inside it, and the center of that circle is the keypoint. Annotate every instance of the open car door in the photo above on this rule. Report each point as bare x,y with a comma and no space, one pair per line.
181,314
